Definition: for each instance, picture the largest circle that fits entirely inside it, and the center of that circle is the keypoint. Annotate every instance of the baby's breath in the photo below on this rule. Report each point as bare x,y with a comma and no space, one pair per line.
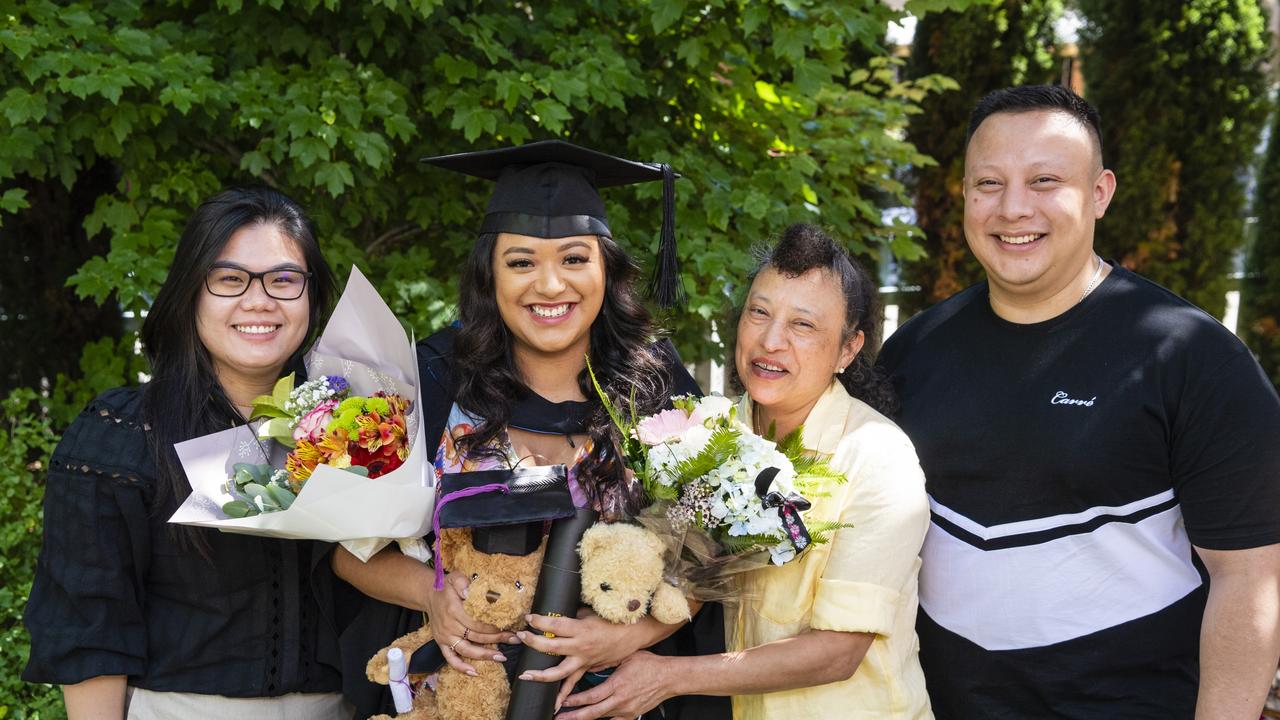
311,393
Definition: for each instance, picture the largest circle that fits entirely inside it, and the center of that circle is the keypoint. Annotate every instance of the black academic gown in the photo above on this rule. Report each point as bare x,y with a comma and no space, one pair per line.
367,625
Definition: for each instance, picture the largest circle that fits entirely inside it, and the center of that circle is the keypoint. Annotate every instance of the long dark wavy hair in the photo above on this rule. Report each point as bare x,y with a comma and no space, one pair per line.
184,399
804,247
622,356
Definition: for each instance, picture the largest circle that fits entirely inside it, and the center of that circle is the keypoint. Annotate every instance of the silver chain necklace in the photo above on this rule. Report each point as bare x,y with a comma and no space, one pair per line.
1093,282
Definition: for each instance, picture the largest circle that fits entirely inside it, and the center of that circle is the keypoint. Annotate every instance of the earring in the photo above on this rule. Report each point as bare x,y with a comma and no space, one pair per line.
840,371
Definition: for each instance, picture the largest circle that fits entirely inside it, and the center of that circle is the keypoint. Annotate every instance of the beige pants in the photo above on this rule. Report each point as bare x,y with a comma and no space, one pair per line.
148,705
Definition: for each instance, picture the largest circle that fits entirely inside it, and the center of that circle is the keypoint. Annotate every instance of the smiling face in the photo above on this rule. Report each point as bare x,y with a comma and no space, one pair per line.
250,337
789,343
1033,188
549,292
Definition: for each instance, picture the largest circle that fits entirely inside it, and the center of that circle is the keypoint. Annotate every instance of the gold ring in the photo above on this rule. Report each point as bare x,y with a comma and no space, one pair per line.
453,647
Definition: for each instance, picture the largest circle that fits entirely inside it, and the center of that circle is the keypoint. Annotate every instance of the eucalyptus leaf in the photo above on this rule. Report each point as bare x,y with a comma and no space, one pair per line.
242,474
281,497
239,509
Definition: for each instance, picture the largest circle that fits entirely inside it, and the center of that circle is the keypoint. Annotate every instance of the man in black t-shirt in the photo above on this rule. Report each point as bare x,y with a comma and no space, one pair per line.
1102,458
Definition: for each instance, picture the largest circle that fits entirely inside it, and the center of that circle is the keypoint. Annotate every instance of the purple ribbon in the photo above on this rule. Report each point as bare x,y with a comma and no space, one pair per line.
405,682
435,520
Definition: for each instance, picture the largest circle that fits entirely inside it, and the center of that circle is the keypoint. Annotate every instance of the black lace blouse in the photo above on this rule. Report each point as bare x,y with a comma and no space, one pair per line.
116,594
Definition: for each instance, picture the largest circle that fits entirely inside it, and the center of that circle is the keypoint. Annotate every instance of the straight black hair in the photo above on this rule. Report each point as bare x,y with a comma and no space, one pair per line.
1029,98
184,399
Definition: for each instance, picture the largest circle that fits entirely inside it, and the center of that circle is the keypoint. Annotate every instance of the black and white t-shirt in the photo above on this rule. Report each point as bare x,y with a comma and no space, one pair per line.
1071,465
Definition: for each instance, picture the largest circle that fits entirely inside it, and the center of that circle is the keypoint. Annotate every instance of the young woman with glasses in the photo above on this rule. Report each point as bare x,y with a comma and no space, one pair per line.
140,619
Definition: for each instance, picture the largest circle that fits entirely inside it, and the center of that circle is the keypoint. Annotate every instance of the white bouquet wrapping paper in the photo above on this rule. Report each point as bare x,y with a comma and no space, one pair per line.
364,343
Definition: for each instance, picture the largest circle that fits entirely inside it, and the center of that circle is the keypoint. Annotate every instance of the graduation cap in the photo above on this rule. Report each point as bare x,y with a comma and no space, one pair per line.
550,189
505,509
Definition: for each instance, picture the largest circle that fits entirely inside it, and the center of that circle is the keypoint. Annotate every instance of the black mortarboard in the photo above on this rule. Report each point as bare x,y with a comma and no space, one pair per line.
505,509
550,189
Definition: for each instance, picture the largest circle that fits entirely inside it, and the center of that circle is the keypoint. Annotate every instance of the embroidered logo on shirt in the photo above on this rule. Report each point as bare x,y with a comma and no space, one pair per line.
1061,398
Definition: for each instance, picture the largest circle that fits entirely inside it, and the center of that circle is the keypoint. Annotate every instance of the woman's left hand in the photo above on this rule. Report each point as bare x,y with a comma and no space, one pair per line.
587,643
637,685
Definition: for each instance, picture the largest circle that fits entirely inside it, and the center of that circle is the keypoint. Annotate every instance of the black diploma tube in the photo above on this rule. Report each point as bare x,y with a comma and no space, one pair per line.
559,594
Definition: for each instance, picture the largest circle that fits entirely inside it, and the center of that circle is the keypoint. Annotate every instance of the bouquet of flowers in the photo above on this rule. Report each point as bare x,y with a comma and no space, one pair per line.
339,458
324,425
708,469
731,499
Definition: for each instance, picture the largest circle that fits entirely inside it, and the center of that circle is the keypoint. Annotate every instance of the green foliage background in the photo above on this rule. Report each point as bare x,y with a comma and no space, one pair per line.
1183,98
1260,291
117,117
26,440
991,45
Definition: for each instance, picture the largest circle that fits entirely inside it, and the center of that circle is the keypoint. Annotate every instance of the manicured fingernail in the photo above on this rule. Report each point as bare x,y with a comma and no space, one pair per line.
472,673
499,657
465,590
520,636
525,677
513,640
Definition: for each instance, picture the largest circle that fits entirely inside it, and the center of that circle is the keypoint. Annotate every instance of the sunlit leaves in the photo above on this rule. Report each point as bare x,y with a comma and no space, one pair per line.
921,7
755,103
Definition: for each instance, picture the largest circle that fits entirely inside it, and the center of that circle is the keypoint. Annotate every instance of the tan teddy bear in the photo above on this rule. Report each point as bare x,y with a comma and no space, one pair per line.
500,594
622,575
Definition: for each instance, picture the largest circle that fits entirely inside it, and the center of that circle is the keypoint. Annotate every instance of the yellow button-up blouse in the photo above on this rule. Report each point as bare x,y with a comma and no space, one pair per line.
863,580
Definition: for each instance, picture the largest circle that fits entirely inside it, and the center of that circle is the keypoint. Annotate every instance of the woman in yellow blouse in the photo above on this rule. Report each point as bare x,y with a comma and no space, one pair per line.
831,634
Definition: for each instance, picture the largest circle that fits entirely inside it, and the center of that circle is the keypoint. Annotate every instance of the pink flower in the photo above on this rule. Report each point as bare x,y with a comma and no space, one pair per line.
664,427
311,426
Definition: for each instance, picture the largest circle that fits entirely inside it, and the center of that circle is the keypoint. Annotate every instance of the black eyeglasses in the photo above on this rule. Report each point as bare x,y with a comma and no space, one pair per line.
234,282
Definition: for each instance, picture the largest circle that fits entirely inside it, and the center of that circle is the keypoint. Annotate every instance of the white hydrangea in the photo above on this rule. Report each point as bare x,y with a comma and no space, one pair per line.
782,553
725,498
664,458
735,503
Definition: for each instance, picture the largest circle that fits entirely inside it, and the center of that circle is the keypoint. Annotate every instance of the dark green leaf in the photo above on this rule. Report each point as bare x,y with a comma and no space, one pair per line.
666,13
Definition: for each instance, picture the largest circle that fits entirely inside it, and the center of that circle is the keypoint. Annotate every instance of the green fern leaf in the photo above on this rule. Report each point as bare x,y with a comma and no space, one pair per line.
738,544
720,447
820,531
614,416
793,444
